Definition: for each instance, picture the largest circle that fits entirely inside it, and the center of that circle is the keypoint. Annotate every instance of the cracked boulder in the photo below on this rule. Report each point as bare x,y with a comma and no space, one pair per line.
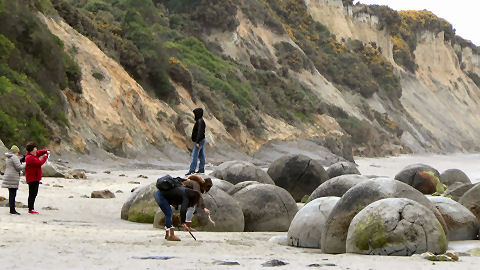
451,176
395,226
265,207
407,174
471,200
298,174
358,197
341,168
307,225
224,211
336,186
461,223
239,171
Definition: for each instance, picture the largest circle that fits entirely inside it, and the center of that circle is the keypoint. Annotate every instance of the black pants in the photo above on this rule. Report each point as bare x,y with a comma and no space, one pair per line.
32,194
12,193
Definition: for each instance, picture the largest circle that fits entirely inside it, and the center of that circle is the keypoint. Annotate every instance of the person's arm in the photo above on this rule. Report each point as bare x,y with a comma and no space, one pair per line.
41,152
183,208
34,161
16,163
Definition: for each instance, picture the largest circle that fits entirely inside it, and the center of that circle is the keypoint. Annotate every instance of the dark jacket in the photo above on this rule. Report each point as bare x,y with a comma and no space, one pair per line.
198,132
182,196
195,186
33,168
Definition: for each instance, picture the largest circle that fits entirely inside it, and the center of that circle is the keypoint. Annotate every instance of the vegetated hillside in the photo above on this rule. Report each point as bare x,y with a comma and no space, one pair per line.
263,69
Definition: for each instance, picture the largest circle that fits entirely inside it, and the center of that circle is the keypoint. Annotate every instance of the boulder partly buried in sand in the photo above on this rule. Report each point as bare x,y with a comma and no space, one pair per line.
265,207
407,174
298,174
140,206
341,168
51,170
461,223
451,176
358,197
336,186
239,171
307,225
471,200
395,226
102,194
224,211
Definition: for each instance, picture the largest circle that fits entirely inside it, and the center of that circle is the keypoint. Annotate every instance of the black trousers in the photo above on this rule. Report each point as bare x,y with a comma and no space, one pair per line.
32,194
12,193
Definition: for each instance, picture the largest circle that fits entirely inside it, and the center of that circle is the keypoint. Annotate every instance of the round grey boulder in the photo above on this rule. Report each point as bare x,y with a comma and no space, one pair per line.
456,191
341,168
395,226
451,176
471,200
222,184
358,197
407,174
336,186
236,172
298,174
140,206
265,207
51,170
307,225
224,211
461,223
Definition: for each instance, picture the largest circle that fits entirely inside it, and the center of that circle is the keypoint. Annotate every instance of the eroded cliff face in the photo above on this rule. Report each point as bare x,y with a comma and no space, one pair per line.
115,114
441,105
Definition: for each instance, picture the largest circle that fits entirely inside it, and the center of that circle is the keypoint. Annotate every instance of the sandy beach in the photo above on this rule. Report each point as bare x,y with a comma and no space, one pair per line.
73,231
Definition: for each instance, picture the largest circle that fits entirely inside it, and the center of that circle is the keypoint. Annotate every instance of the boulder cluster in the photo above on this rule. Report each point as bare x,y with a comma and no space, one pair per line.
417,211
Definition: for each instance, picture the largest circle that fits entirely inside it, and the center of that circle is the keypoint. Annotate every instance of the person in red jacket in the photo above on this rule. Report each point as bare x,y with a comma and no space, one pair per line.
33,172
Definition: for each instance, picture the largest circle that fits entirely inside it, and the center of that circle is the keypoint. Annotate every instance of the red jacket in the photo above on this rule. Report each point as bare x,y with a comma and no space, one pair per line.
33,168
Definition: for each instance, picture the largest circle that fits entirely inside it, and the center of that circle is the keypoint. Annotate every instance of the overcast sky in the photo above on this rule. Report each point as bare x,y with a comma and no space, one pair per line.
464,15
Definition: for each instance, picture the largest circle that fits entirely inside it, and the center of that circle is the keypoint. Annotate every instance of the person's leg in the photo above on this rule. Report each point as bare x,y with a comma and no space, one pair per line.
32,194
12,193
165,206
201,157
189,215
193,165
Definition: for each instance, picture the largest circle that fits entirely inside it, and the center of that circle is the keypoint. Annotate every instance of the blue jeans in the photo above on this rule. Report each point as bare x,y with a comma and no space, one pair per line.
165,206
198,153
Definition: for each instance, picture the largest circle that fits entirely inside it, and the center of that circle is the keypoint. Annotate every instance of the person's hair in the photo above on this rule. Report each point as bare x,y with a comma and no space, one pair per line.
208,184
30,146
193,196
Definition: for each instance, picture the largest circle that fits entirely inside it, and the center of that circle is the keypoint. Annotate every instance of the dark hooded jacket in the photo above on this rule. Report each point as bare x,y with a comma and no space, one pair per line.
198,132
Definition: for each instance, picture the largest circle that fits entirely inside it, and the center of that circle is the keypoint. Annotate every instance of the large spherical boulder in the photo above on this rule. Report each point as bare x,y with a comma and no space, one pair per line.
236,172
222,184
336,186
224,211
408,173
395,226
141,205
461,223
452,176
265,207
456,191
307,225
341,168
358,197
298,174
471,200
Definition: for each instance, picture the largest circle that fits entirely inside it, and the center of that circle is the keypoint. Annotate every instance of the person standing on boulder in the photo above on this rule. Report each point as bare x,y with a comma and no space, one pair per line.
33,172
11,178
198,138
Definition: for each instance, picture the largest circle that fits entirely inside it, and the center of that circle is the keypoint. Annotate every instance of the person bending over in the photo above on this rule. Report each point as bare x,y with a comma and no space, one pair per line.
185,197
33,172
